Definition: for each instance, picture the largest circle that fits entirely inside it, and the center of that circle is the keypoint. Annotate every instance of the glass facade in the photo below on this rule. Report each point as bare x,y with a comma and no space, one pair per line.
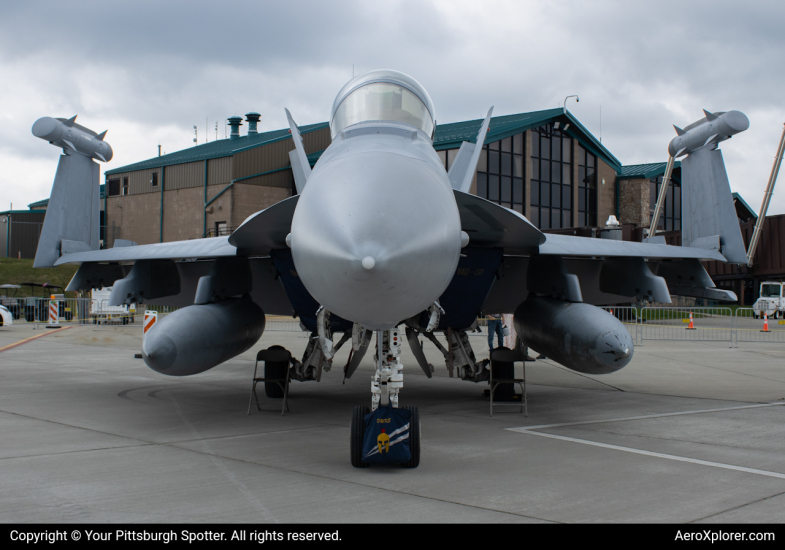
670,217
500,177
551,196
587,188
500,172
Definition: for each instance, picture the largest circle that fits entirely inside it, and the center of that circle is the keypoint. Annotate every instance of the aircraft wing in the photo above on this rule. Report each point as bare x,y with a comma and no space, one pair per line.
503,245
169,273
522,259
567,245
178,250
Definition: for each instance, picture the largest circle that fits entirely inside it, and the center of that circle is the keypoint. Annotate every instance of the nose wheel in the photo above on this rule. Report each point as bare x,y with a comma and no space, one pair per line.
383,433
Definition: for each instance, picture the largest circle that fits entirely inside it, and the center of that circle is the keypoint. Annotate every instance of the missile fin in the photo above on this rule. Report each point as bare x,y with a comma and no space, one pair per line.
102,135
100,156
679,131
709,116
708,140
71,145
70,121
679,152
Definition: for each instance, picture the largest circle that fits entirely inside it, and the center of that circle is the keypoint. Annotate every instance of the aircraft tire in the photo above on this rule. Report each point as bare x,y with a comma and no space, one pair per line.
275,371
357,432
414,438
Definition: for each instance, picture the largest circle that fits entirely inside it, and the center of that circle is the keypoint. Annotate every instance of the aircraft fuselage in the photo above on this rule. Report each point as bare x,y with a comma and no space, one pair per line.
376,235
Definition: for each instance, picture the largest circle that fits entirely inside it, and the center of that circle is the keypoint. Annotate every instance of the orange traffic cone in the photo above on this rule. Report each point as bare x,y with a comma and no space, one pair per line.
765,323
691,326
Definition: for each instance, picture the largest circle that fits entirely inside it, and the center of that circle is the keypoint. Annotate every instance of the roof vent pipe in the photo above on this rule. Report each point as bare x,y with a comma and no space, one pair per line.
234,123
253,119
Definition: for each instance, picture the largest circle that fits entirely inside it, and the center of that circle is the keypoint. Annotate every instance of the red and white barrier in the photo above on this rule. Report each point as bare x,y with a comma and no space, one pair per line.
150,319
54,308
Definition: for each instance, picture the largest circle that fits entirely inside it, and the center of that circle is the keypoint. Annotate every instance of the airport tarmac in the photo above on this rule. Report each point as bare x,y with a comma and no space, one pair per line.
688,432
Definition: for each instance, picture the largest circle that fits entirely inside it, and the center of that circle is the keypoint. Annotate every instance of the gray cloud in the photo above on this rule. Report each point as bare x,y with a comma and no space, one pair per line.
149,71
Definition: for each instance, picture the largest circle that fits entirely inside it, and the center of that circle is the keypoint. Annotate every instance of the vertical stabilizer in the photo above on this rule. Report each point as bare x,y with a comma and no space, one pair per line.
707,205
73,213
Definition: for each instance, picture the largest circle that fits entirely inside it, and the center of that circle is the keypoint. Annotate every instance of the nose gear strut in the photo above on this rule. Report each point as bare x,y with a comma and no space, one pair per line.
402,443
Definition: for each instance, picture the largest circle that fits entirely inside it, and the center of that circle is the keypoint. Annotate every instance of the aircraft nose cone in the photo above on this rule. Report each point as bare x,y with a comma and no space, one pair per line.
376,237
159,352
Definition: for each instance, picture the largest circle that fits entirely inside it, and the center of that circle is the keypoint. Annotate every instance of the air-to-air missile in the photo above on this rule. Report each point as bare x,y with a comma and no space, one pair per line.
579,336
713,128
69,135
197,338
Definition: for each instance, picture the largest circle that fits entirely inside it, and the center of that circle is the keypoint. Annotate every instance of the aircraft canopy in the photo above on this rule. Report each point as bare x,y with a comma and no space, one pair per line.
384,96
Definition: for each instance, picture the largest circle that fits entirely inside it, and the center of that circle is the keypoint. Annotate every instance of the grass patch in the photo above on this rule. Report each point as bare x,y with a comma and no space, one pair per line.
14,271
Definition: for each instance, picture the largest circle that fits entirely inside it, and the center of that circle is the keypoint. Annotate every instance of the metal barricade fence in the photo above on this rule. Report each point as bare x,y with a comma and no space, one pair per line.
629,317
646,323
673,323
277,323
750,328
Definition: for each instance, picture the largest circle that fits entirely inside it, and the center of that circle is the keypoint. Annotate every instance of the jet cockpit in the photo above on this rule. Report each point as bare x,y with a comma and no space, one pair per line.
383,95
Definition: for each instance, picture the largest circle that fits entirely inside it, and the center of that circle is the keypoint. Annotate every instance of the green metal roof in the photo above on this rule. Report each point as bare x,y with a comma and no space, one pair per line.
4,212
215,149
313,157
45,202
32,205
447,136
752,213
450,136
645,171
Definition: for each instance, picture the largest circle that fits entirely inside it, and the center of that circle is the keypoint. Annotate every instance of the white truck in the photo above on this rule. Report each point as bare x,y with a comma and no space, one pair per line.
771,301
101,312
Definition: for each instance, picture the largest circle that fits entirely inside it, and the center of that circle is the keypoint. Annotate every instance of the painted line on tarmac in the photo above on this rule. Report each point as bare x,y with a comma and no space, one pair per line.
655,455
20,342
644,417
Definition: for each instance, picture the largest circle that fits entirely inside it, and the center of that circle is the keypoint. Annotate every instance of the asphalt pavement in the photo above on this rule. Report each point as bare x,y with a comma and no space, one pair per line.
688,432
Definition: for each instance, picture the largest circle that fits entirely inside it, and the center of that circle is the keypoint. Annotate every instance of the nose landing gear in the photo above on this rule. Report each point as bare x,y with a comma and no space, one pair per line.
385,433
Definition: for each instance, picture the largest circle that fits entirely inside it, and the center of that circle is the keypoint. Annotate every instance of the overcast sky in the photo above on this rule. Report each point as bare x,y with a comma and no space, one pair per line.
149,71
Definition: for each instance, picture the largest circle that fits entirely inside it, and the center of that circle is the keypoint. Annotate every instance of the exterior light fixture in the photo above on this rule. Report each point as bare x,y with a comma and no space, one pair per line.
577,100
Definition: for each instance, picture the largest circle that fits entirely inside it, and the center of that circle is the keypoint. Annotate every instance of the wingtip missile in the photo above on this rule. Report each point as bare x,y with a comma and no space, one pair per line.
68,135
712,129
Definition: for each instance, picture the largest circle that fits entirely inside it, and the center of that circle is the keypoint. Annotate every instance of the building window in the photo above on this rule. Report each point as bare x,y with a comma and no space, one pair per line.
114,187
500,172
551,196
587,188
670,216
154,180
125,186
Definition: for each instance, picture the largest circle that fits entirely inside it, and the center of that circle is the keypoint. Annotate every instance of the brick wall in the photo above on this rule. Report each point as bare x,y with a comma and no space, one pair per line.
634,202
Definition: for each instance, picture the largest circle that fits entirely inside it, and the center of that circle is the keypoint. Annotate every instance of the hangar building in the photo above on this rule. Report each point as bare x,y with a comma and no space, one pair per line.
544,164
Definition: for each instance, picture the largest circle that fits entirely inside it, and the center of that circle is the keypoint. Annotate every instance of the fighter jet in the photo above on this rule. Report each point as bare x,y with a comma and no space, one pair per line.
380,242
